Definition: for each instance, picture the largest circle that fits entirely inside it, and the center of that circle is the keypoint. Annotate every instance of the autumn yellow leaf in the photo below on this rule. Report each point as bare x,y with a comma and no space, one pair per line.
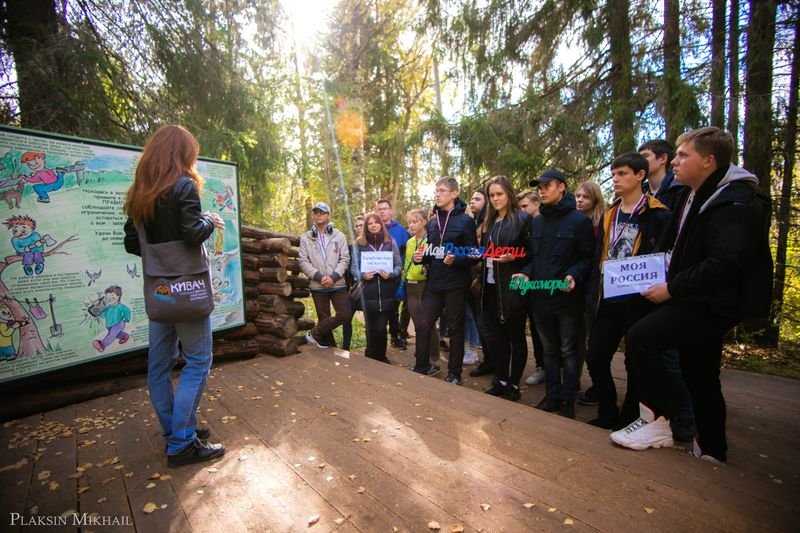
433,525
149,507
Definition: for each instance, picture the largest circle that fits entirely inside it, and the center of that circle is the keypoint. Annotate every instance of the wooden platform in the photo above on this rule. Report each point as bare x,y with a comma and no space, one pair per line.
363,446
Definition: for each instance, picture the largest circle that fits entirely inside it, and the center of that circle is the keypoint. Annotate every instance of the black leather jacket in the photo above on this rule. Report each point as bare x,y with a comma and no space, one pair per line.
177,217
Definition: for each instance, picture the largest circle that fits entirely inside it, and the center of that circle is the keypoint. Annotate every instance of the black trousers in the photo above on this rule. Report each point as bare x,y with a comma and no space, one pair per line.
433,302
504,342
610,326
538,349
697,333
375,326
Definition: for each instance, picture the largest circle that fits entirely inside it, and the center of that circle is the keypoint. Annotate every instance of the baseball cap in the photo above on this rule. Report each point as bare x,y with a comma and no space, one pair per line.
321,206
549,175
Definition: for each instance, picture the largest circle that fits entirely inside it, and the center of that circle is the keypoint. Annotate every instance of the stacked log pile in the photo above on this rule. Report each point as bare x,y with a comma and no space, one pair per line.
272,281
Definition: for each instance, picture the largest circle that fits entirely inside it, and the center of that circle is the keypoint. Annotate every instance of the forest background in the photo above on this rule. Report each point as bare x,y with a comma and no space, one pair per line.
392,94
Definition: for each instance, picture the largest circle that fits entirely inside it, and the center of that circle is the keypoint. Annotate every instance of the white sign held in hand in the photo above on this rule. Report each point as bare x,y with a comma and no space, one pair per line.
376,261
632,275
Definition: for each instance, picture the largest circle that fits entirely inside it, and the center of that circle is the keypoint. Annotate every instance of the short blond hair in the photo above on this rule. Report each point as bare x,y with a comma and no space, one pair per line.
711,141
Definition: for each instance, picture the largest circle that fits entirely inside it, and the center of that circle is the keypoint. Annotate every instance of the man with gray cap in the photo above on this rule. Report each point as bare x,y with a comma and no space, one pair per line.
561,248
324,258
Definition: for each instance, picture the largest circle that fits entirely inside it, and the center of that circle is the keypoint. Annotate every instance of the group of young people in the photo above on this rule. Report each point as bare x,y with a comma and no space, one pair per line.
539,257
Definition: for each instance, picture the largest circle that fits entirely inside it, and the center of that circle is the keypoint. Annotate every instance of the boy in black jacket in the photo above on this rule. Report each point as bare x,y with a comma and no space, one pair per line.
451,240
632,225
720,272
561,248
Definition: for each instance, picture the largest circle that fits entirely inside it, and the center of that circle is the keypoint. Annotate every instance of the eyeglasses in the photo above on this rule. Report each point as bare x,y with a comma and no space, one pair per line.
437,192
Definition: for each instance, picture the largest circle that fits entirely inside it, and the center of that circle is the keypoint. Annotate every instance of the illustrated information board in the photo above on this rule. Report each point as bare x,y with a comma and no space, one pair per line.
69,293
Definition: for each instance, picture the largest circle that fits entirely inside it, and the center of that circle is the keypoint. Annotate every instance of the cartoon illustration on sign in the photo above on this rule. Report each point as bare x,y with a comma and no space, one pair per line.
116,314
7,327
28,243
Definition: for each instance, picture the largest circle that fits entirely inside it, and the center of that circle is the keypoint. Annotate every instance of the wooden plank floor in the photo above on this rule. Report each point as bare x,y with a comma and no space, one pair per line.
364,446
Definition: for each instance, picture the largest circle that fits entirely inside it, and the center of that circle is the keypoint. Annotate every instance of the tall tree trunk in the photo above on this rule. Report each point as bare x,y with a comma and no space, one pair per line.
733,78
672,69
718,63
32,31
301,126
785,205
758,86
444,157
622,110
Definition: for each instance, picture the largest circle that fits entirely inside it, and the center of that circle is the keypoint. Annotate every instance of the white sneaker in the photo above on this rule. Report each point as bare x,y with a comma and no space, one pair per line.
311,340
470,357
646,432
535,378
698,454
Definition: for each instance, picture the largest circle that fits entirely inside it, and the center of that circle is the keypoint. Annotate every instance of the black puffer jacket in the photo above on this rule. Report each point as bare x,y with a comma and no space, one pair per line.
561,244
460,231
513,231
722,258
177,217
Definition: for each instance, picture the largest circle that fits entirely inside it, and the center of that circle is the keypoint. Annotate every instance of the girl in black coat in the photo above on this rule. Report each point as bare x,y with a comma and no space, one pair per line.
378,288
504,237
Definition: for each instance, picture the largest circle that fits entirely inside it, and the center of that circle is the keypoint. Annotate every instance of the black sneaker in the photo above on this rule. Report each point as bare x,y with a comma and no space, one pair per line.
605,422
567,409
497,389
400,343
682,431
549,405
202,433
455,379
196,452
589,397
432,370
512,394
481,370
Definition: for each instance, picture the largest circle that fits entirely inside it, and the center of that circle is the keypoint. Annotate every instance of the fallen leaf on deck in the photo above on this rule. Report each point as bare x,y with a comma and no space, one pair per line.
68,513
352,477
149,507
128,474
53,485
150,485
552,510
362,489
109,480
485,506
429,418
333,413
155,476
101,500
163,506
313,519
456,528
568,522
199,491
329,478
311,459
649,510
212,470
44,474
339,521
165,478
16,466
529,505
321,465
365,439
434,525
83,489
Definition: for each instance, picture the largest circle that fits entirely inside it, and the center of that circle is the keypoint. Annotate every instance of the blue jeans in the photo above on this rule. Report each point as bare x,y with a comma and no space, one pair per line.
176,409
41,189
471,337
560,335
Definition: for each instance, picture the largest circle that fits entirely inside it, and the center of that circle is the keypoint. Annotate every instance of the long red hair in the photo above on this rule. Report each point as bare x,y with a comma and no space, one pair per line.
169,154
383,234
